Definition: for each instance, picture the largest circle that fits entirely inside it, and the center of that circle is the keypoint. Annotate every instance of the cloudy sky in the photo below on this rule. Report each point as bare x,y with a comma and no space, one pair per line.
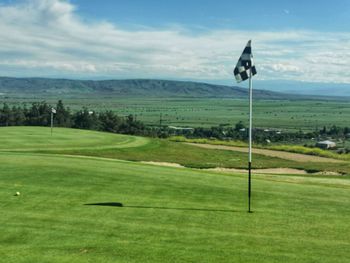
194,39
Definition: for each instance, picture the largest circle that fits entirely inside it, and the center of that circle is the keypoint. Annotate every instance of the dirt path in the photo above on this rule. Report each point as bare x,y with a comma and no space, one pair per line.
280,154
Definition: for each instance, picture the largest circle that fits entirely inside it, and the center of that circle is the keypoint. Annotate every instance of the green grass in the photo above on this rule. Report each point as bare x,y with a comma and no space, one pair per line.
169,214
131,148
40,138
195,157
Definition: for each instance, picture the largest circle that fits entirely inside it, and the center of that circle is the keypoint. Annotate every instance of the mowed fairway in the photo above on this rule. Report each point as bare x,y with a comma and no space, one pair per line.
39,138
168,214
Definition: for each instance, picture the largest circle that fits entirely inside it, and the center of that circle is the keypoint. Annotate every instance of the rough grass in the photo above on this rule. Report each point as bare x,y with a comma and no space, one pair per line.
310,151
285,148
208,141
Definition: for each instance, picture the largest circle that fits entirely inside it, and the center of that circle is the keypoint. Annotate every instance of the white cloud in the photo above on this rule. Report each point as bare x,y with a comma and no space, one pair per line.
47,37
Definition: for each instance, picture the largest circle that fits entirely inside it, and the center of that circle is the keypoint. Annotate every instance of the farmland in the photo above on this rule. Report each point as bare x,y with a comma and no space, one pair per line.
307,115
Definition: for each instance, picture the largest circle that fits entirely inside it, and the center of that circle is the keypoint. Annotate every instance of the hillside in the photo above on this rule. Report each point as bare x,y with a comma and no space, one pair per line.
128,88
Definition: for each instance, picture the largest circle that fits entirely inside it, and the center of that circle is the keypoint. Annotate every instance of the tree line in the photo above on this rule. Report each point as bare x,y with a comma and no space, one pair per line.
262,136
39,114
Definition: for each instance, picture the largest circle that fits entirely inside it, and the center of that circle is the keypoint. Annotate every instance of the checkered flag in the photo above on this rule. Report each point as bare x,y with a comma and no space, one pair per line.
245,65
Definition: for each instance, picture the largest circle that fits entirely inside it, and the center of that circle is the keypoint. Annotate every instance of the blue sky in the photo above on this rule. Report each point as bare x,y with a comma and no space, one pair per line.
304,41
318,15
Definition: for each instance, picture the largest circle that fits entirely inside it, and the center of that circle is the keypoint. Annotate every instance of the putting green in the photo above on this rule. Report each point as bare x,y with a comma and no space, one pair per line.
39,138
168,214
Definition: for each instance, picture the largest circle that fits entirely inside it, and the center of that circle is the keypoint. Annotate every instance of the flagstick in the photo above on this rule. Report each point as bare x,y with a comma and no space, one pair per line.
51,122
250,138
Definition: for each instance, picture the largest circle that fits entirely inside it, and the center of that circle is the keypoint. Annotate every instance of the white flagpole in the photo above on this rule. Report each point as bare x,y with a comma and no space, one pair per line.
250,137
51,121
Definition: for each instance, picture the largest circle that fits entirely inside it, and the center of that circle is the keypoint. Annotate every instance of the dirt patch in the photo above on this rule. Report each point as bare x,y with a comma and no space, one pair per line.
165,164
298,157
280,171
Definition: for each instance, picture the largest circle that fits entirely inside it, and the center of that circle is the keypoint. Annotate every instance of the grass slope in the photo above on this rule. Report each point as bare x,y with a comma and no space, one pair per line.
40,138
131,148
169,214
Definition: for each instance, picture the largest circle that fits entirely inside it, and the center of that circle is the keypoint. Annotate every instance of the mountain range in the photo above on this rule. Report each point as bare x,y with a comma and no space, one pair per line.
47,87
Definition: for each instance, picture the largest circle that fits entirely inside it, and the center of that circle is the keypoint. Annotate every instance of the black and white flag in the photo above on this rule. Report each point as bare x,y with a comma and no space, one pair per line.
245,65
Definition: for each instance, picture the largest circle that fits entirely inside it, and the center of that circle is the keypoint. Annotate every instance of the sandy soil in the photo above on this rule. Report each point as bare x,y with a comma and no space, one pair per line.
255,171
219,169
165,164
280,154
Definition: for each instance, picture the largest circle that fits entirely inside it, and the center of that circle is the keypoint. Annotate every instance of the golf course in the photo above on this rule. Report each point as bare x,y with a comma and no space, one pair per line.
86,196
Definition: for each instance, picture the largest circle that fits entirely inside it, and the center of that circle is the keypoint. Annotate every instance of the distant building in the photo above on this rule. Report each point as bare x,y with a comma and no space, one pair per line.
326,144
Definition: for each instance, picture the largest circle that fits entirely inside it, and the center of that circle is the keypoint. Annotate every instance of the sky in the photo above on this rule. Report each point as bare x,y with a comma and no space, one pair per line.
201,40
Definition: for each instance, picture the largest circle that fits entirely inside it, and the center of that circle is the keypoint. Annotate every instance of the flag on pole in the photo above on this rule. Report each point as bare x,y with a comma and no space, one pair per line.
245,65
244,70
53,110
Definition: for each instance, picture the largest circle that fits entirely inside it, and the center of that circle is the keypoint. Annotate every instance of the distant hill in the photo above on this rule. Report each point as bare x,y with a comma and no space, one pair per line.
305,88
45,87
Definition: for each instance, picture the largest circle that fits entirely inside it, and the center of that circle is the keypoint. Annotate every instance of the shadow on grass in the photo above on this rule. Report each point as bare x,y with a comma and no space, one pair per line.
161,207
107,204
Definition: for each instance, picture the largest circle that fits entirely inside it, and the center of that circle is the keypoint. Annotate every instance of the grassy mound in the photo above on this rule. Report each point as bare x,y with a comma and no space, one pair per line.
40,138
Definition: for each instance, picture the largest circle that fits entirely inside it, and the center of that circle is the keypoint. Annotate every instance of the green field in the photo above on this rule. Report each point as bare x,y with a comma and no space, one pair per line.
168,214
206,112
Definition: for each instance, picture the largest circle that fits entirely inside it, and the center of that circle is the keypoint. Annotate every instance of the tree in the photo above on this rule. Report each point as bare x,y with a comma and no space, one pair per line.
130,126
39,114
62,116
239,125
5,115
17,118
86,119
110,122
